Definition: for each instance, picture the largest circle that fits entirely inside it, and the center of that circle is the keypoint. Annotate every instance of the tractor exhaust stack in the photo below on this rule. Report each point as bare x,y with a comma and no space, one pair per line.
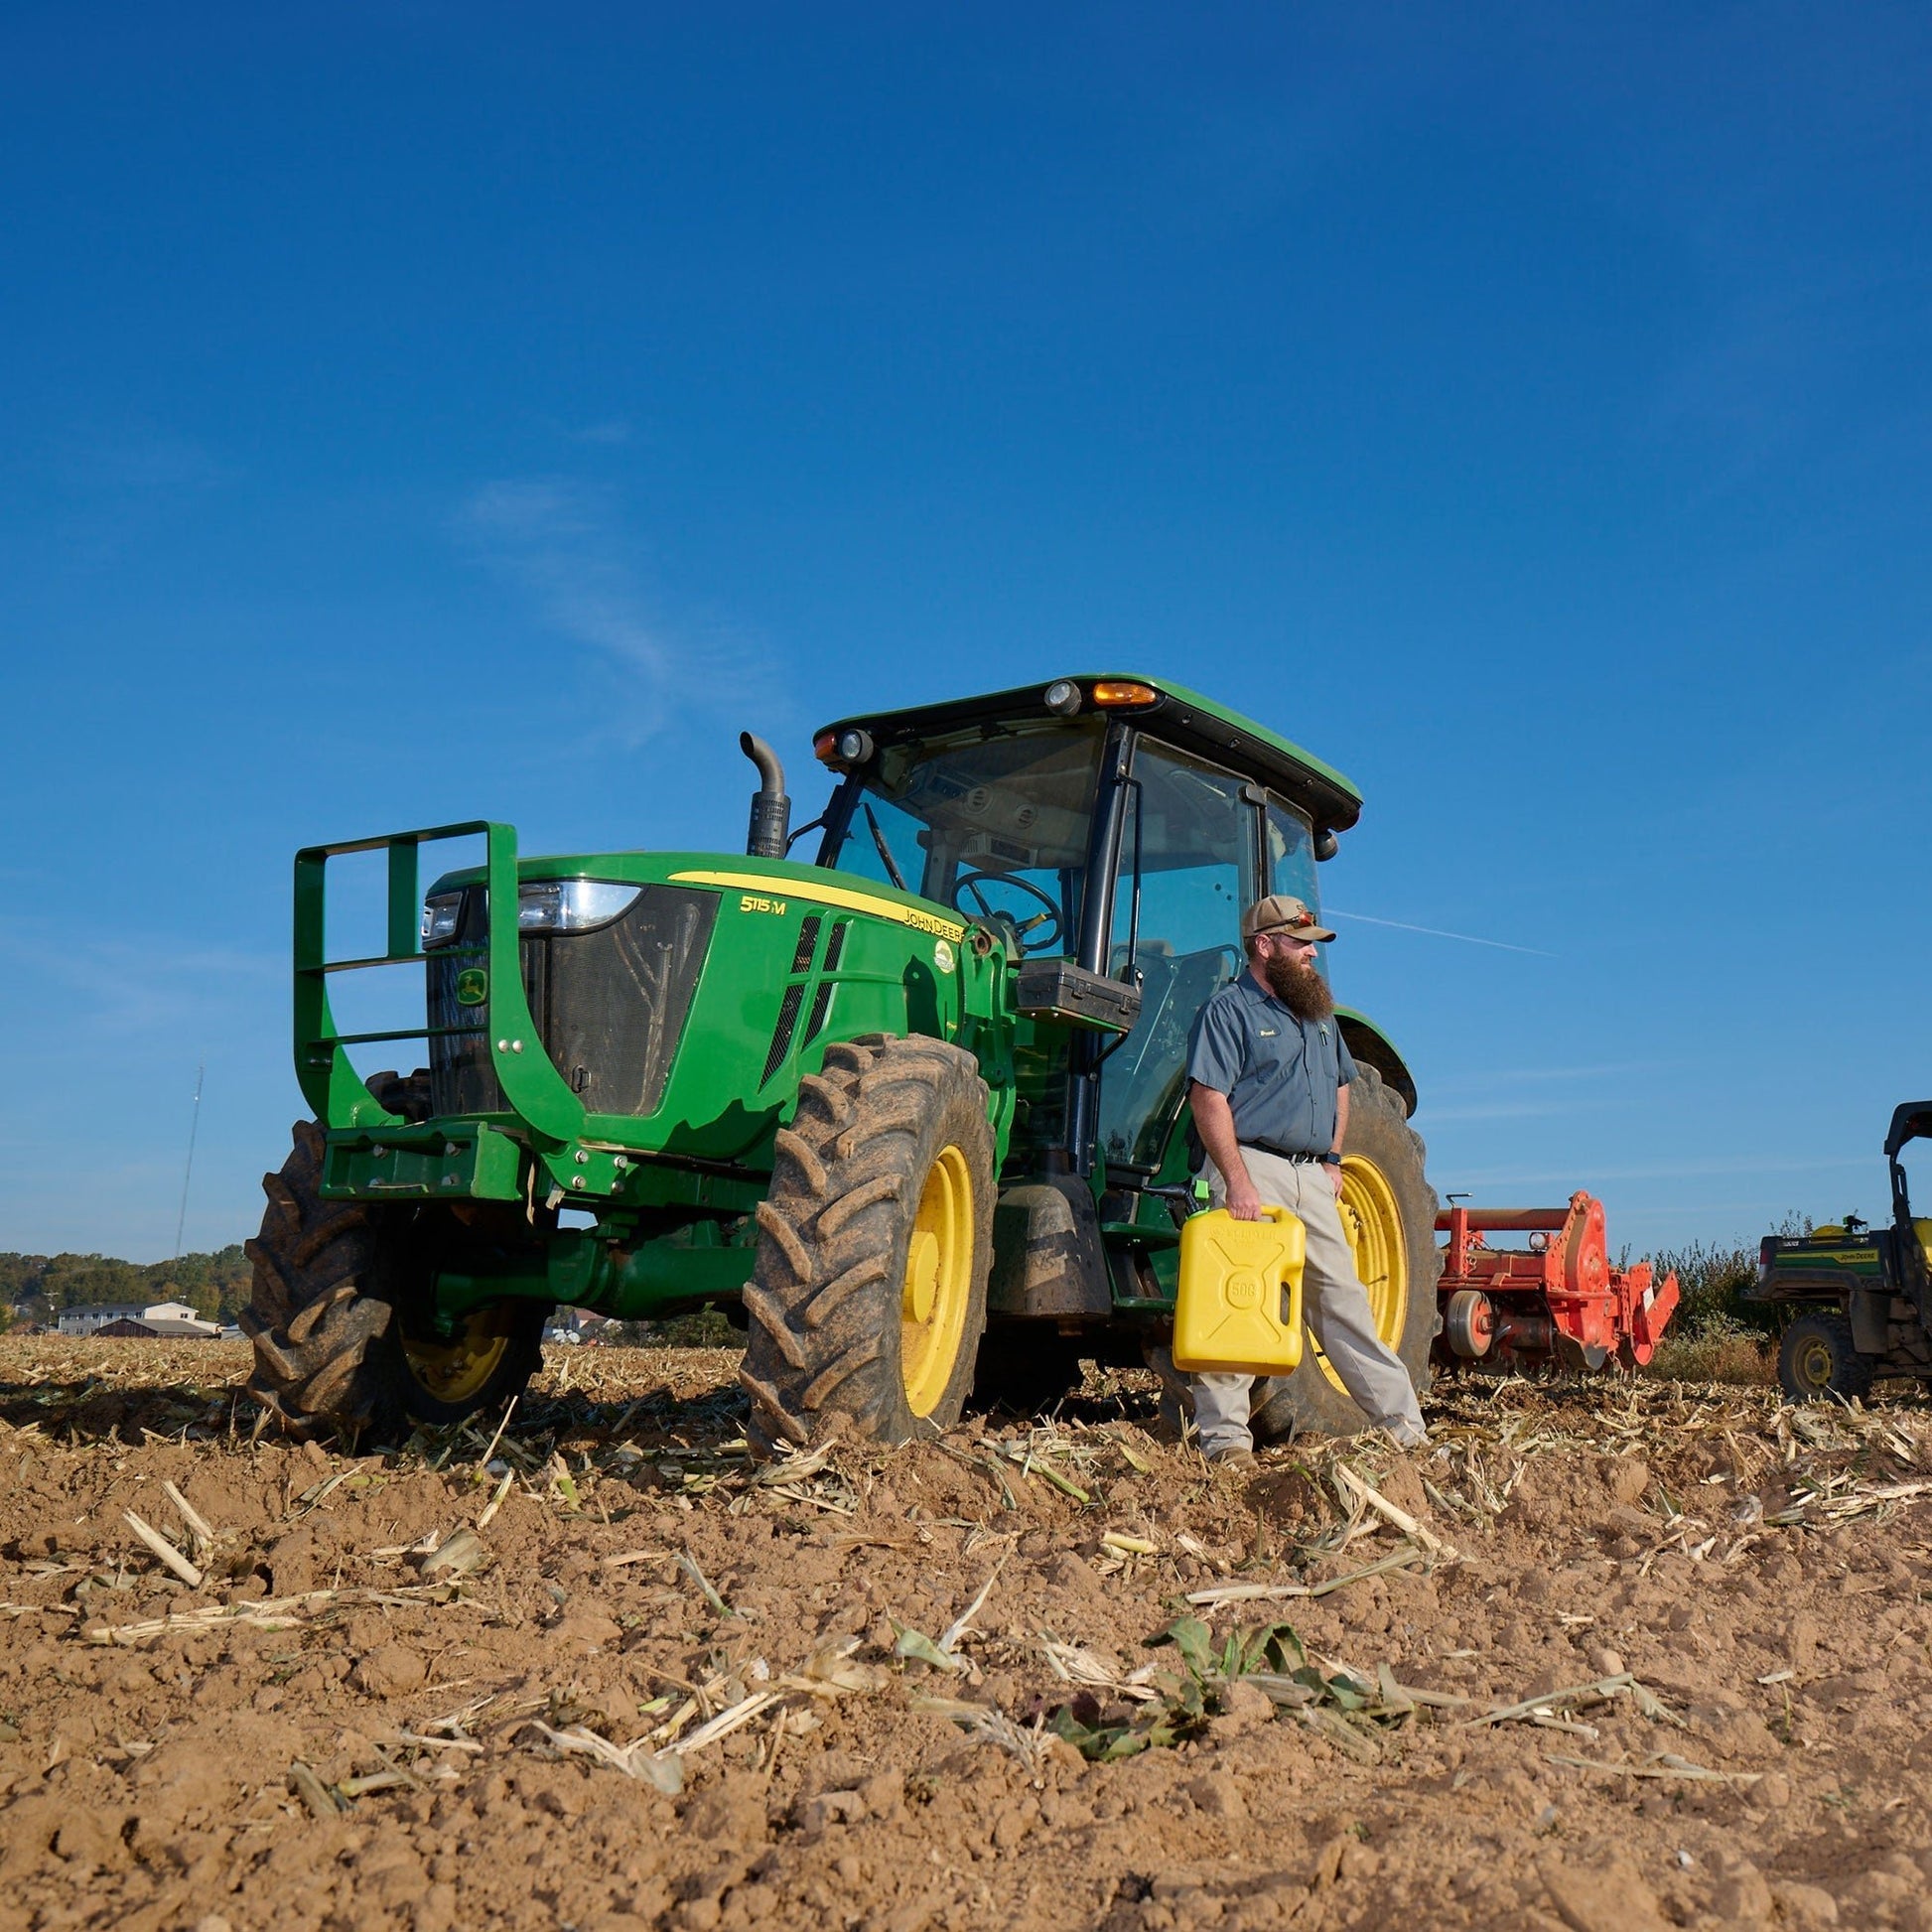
771,831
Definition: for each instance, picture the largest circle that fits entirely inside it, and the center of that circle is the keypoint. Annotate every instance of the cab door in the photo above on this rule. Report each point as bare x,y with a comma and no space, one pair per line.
1191,854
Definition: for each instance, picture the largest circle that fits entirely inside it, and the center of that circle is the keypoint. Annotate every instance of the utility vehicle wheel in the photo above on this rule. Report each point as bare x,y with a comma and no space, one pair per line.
1817,1359
877,1237
336,1341
1024,1370
1388,1212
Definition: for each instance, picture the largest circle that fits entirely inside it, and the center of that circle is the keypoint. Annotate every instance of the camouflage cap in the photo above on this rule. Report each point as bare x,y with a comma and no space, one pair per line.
1280,913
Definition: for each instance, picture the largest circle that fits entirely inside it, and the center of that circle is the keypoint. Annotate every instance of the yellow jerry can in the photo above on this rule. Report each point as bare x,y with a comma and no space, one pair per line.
1238,1311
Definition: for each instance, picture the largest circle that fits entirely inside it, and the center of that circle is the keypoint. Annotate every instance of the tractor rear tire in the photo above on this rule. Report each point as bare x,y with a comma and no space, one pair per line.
1392,1208
869,1299
1818,1359
332,1348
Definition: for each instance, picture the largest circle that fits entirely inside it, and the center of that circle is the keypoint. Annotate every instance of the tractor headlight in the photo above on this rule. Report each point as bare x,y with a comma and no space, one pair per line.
571,905
442,913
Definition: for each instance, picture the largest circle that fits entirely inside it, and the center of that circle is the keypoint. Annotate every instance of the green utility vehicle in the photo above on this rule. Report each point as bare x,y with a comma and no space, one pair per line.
1866,1293
913,1113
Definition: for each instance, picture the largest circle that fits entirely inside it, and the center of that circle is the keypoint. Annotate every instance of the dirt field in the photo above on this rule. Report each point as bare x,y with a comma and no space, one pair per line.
655,1686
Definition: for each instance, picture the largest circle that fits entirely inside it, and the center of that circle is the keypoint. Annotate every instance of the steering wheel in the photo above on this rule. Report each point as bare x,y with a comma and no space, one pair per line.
969,893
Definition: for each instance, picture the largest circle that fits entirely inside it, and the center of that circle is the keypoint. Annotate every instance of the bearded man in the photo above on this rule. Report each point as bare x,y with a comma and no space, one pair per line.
1269,1081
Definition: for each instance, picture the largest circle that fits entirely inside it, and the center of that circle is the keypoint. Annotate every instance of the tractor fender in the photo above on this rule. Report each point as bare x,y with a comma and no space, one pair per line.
1870,1310
1371,1047
1048,1258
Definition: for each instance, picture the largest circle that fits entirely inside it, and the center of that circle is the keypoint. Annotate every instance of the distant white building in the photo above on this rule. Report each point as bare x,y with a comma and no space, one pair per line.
182,1320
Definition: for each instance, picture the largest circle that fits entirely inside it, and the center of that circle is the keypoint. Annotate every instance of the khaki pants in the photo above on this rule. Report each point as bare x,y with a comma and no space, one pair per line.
1333,1303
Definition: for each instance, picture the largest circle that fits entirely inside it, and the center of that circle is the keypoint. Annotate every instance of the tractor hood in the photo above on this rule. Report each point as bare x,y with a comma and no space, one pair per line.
761,960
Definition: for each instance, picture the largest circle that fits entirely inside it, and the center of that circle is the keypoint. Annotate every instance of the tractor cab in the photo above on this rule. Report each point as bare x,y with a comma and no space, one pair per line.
1119,824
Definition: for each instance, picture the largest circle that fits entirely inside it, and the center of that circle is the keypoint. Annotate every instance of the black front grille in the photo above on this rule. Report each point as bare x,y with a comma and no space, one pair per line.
616,1000
611,1005
794,995
822,1001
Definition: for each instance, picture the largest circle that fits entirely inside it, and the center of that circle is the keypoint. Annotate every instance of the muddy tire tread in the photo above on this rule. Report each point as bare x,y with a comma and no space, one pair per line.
311,1334
822,1347
329,1352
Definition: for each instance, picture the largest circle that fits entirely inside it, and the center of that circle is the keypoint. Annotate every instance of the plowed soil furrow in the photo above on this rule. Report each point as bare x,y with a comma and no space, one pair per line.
658,1686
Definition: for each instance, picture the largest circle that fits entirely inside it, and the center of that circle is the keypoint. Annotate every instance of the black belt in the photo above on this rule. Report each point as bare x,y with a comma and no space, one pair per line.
1284,1154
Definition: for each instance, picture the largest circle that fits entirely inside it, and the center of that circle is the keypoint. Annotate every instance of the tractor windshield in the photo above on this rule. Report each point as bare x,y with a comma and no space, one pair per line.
993,821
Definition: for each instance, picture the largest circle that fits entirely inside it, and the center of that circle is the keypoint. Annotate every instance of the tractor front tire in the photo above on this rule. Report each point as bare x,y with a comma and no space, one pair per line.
1818,1360
869,1300
1389,1209
332,1349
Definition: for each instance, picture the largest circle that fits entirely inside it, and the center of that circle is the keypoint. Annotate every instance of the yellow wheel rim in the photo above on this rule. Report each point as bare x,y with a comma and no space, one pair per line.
459,1370
1372,1221
1813,1364
938,1282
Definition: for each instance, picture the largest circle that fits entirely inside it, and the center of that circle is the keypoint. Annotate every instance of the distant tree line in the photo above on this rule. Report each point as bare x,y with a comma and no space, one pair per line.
36,1287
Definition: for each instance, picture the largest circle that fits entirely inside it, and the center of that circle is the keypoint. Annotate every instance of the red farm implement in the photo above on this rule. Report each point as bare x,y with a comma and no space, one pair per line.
1556,1303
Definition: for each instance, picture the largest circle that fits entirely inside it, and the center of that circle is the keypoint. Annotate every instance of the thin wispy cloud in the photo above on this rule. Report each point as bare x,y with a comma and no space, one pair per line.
1599,1070
564,548
1436,932
121,986
1489,1080
1503,1110
545,534
1534,1092
142,464
1692,1169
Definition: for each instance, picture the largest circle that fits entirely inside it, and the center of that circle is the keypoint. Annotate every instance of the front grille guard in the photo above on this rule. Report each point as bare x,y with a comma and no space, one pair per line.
337,1094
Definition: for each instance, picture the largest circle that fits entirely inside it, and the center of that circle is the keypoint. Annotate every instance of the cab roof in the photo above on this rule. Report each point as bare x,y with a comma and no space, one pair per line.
1176,716
1910,1121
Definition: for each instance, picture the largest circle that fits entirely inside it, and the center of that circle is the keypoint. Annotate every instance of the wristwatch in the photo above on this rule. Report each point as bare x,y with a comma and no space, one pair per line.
1331,1159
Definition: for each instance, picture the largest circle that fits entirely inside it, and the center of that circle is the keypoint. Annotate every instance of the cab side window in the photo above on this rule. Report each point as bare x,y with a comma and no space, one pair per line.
1290,855
1191,841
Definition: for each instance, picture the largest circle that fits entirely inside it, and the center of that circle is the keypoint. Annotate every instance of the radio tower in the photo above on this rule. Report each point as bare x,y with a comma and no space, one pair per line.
188,1174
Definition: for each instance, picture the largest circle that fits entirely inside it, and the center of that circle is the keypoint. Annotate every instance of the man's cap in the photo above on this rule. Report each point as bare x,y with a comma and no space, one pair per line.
1281,913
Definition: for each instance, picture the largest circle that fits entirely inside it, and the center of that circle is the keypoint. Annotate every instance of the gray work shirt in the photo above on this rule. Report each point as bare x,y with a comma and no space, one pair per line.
1281,1074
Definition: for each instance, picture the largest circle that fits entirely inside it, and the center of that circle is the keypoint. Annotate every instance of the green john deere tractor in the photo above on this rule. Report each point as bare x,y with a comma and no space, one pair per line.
1861,1297
912,1113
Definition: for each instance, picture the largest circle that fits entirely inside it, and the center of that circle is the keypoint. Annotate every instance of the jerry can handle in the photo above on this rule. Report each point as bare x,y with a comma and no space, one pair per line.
1293,1319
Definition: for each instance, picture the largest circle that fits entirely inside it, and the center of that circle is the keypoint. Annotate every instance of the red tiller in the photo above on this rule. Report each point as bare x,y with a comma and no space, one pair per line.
1556,1303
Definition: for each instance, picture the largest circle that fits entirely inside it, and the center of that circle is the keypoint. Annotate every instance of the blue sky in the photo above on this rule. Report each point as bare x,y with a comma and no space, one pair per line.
417,412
